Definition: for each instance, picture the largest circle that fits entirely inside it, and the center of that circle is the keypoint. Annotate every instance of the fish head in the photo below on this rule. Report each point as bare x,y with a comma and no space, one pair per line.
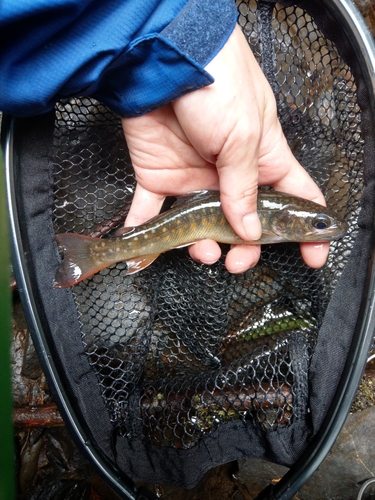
306,221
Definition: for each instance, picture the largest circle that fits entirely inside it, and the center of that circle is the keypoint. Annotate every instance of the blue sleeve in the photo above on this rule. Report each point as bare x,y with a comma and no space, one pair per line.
133,56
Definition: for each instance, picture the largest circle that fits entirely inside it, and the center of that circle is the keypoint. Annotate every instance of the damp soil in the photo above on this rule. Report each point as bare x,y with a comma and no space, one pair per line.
365,396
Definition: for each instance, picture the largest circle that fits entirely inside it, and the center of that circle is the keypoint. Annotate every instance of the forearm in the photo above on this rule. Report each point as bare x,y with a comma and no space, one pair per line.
133,57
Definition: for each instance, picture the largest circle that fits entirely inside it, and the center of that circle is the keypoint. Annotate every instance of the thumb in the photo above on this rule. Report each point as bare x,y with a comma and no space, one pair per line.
237,166
145,205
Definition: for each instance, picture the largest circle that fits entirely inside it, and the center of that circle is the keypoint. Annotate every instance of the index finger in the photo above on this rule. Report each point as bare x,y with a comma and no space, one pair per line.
298,182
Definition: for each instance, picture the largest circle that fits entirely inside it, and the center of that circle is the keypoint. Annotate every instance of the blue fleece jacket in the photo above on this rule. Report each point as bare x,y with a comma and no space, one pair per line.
132,55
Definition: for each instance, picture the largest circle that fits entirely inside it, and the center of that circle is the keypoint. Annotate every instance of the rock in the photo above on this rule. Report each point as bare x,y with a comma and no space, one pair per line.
350,462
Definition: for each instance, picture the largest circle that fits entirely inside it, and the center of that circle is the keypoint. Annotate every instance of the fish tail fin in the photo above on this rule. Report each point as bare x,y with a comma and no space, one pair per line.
78,262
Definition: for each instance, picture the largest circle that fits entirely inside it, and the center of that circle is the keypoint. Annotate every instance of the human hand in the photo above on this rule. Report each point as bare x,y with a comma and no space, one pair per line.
225,136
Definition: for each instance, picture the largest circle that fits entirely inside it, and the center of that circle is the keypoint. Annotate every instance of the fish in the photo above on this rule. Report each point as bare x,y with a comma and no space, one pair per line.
194,217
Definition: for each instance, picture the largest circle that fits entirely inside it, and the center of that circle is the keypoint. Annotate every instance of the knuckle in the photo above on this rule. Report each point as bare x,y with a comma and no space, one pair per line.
249,194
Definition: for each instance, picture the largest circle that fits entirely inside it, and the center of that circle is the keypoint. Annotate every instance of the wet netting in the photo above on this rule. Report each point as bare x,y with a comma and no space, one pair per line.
183,366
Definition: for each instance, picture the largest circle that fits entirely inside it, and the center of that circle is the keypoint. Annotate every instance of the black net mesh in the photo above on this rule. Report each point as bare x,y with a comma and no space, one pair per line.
180,348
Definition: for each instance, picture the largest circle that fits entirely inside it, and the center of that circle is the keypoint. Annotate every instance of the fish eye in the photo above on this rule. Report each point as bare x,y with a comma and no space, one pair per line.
321,221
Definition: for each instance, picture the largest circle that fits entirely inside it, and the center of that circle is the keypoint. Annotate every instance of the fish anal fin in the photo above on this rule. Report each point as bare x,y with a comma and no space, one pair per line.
139,263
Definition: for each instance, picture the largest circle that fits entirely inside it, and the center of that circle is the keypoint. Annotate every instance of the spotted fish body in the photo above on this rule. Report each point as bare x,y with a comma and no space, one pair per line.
283,218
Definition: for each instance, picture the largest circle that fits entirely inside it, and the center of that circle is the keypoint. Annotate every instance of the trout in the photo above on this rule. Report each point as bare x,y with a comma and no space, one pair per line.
284,218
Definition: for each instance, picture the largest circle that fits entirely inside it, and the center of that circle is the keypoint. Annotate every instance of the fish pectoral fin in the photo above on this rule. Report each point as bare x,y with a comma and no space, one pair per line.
124,230
139,263
185,245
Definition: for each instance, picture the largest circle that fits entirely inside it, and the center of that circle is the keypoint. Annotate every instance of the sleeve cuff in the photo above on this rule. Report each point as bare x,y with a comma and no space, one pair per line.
199,30
162,67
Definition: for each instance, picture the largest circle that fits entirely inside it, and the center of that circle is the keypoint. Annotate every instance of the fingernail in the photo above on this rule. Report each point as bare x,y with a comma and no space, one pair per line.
252,226
241,267
209,259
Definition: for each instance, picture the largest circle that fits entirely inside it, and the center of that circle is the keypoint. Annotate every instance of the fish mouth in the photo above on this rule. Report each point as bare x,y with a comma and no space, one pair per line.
335,235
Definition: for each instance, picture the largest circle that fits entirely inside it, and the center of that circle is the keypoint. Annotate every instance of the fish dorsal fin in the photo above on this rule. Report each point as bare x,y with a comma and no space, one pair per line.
128,230
139,263
193,195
